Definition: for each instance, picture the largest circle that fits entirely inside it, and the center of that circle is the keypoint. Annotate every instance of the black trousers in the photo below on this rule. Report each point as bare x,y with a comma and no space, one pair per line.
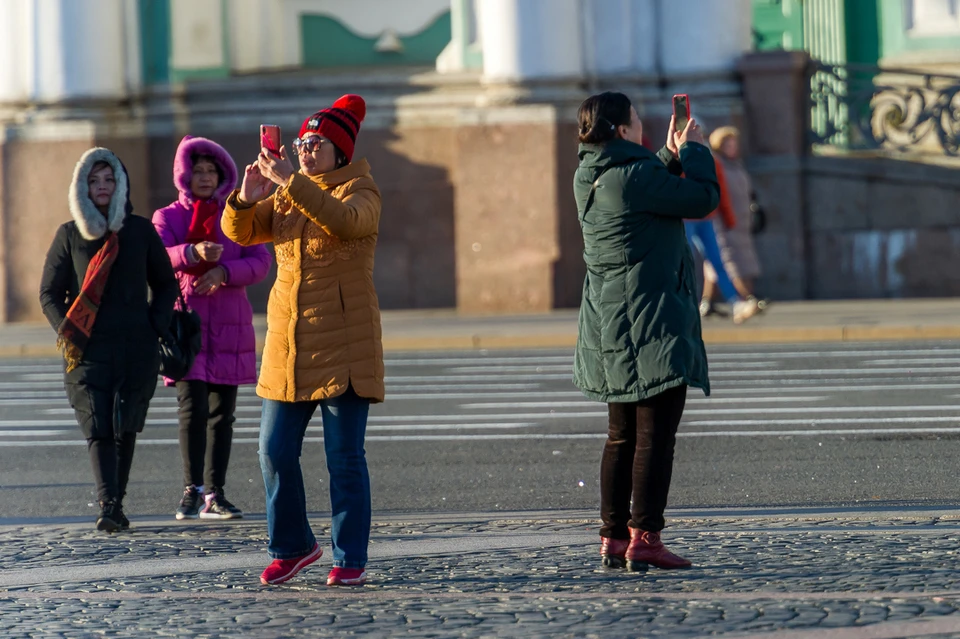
111,459
206,415
637,463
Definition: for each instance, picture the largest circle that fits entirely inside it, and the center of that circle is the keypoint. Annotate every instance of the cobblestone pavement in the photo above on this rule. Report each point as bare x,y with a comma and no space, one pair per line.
844,575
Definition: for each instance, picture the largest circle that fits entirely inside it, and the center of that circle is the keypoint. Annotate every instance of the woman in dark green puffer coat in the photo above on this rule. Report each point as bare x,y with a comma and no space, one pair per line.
639,344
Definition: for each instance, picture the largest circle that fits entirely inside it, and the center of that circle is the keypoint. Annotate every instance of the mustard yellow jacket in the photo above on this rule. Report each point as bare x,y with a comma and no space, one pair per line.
323,317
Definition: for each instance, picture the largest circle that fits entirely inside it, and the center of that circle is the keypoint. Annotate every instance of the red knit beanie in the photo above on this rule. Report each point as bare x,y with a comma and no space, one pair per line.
339,124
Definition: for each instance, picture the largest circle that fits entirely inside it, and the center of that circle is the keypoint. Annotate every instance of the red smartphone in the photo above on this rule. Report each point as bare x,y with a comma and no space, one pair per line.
681,111
270,138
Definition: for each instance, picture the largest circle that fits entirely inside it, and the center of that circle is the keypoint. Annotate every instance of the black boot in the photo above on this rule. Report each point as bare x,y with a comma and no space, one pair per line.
109,519
121,516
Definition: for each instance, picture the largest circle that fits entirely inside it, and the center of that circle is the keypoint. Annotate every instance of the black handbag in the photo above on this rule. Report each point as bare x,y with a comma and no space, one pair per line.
758,217
179,347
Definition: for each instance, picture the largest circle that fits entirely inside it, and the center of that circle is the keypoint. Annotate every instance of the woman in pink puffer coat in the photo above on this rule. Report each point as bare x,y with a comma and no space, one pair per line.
213,272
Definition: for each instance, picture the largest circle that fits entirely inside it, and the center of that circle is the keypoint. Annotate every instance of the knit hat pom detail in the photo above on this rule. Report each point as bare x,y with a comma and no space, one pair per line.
352,103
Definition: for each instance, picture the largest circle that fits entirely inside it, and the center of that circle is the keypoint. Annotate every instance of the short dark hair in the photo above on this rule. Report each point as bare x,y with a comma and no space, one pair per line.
600,115
205,157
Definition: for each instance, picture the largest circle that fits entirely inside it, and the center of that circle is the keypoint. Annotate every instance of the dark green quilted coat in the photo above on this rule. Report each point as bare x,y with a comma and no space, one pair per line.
639,328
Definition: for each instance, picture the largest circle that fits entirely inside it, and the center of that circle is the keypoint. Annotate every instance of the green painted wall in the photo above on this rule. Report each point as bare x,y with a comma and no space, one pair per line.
777,24
156,45
863,30
825,30
154,40
328,43
835,31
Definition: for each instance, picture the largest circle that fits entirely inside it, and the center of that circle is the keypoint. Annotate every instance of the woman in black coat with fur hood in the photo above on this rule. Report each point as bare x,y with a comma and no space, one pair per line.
94,294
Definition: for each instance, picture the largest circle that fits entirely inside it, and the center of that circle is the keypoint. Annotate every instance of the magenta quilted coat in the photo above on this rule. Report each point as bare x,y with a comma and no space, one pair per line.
229,353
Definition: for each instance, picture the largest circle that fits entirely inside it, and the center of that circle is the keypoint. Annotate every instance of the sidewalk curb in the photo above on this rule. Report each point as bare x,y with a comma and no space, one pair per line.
740,335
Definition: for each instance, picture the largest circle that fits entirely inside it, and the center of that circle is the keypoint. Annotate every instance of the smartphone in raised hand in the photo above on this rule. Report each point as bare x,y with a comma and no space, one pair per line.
270,138
681,111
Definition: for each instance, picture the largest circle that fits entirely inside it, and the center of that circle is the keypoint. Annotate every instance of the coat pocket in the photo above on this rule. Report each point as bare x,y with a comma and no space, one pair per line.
131,411
92,409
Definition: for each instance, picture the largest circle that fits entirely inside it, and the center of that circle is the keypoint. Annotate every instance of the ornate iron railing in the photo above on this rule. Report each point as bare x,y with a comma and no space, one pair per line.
861,107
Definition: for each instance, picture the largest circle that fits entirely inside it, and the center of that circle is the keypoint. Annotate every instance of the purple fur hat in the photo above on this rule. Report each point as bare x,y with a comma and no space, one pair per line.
183,167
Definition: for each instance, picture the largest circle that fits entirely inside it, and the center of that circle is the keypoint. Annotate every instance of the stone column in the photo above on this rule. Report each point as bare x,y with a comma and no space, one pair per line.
53,50
17,56
776,99
257,35
506,210
776,121
505,171
528,39
702,37
73,62
620,36
464,51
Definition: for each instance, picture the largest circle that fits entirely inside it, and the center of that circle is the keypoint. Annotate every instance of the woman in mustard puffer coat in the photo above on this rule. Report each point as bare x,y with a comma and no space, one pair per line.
323,347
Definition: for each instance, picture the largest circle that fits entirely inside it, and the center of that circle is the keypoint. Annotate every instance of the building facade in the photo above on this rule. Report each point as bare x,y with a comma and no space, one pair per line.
876,190
470,127
471,116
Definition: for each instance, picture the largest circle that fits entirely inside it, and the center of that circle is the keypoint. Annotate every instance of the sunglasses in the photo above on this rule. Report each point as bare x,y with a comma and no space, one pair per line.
310,145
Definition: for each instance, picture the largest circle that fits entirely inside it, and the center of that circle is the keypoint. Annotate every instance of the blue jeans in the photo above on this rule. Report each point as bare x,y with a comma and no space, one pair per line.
282,428
703,238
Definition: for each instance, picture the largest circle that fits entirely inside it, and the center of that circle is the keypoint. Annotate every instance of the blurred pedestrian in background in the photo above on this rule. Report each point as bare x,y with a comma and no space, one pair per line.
737,251
639,344
213,272
702,234
93,291
323,346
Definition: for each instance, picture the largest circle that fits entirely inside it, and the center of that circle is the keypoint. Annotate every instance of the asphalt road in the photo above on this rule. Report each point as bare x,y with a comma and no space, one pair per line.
838,424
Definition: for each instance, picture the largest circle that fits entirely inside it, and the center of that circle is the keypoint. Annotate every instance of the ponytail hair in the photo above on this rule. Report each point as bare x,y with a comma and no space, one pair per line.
600,115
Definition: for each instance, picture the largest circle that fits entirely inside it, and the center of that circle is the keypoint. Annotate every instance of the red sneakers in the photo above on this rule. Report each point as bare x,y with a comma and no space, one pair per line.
282,570
646,548
613,552
347,577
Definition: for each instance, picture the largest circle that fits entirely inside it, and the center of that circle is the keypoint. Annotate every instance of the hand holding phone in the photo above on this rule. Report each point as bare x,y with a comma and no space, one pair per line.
255,186
681,111
691,133
270,138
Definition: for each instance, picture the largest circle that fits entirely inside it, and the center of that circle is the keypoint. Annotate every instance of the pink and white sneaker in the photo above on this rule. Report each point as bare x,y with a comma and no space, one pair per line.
282,570
347,577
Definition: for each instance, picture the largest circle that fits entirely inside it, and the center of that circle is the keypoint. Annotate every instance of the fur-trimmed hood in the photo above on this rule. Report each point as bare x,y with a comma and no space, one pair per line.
90,222
183,168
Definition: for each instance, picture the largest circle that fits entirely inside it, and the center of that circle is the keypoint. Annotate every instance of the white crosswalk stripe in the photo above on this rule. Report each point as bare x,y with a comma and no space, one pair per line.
761,391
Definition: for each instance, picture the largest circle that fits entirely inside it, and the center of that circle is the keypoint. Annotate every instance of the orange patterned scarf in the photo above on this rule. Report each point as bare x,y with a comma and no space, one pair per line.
76,329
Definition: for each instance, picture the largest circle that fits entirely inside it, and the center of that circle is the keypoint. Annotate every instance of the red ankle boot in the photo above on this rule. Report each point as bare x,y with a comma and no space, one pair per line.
613,552
647,549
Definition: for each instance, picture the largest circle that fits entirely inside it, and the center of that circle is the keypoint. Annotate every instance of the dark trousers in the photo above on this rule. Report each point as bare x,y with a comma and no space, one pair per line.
637,463
111,459
206,415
